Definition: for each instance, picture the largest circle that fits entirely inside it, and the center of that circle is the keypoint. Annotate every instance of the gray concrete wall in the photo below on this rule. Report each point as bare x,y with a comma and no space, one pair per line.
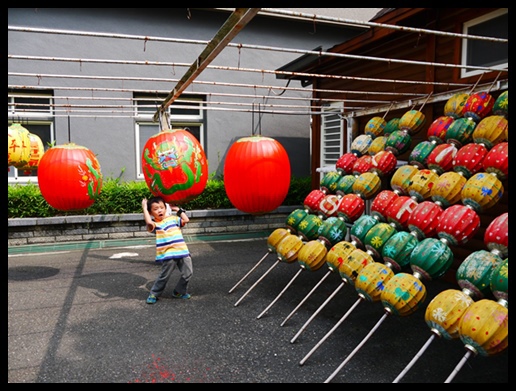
113,139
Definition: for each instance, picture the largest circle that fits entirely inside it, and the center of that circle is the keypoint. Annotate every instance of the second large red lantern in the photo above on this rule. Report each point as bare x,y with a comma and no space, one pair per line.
174,166
69,177
256,174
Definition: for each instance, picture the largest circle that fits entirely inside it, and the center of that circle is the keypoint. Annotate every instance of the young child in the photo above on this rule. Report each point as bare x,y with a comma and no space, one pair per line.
171,248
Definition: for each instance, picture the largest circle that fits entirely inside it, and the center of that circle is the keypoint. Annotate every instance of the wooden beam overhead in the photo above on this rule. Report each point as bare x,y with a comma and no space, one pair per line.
235,22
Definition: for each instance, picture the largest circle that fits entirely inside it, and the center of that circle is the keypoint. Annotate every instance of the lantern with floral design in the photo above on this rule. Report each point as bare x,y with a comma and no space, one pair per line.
371,279
360,228
491,130
361,144
392,125
294,219
403,294
421,184
437,130
478,106
475,271
419,155
431,258
482,191
375,126
396,251
398,142
448,188
456,105
175,167
501,105
367,185
376,237
499,284
401,179
332,231
345,184
69,177
262,160
377,145
412,121
460,132
354,263
329,181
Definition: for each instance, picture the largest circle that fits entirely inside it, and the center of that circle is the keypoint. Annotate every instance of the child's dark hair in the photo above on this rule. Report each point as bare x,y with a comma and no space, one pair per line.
154,200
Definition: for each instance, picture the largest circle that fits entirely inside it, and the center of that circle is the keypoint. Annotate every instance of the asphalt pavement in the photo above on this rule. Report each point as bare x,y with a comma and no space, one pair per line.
80,316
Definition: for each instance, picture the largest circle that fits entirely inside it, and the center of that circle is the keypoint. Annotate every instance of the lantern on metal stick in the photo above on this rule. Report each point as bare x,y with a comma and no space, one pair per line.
469,158
337,254
311,257
496,235
348,270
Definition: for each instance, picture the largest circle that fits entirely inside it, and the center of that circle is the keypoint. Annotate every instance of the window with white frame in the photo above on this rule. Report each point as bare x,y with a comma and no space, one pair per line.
486,53
332,132
32,110
185,112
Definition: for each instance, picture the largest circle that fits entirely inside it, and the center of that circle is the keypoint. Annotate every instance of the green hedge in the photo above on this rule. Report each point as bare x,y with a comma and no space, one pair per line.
119,197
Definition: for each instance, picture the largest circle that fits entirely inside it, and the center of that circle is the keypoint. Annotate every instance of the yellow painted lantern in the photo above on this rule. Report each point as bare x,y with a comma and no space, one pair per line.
338,254
288,248
371,281
421,184
482,191
456,105
275,238
412,121
448,188
312,255
36,153
491,130
403,294
377,145
361,144
484,328
375,127
445,311
402,177
367,185
18,145
353,264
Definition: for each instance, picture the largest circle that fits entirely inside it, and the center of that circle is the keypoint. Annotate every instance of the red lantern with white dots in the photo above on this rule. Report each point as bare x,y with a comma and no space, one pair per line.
174,166
497,161
423,220
496,236
381,204
313,199
256,174
363,164
344,164
351,207
469,158
69,177
457,224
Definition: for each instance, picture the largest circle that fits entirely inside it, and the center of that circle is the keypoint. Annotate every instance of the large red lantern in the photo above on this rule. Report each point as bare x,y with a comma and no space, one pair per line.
69,177
257,174
351,207
174,166
400,210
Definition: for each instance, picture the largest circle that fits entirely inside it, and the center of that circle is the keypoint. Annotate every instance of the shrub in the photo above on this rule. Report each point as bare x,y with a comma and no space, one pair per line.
116,197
